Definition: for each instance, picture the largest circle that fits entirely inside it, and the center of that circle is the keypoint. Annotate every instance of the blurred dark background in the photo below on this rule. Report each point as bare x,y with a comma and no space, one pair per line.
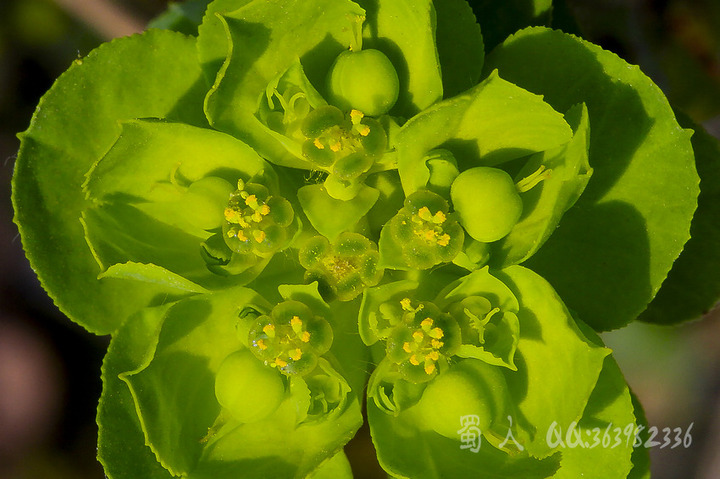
49,367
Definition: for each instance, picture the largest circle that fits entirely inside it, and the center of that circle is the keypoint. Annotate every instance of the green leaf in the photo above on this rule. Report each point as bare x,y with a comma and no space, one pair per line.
183,17
183,423
501,19
601,445
544,204
264,41
692,287
639,155
151,273
337,467
459,44
493,123
151,75
410,46
406,450
317,204
121,443
557,366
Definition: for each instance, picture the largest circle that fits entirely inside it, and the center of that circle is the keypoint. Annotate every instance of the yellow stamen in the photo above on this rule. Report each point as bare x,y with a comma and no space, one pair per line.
251,201
406,347
436,344
269,329
429,369
257,217
444,240
430,235
280,363
318,144
436,333
405,303
259,236
414,361
241,236
305,337
434,355
364,130
296,355
336,146
295,321
264,210
261,344
439,218
426,323
418,336
424,213
356,116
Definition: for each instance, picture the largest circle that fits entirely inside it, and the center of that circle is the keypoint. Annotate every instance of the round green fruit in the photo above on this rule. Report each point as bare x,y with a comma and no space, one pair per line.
249,390
487,202
365,80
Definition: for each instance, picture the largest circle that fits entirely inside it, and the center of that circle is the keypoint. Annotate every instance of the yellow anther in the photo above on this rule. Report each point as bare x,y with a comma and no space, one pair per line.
231,233
436,333
318,144
434,355
424,213
257,217
406,347
356,116
436,344
418,336
269,329
426,323
295,321
336,146
296,354
406,305
251,201
261,344
414,361
240,185
305,337
364,130
429,235
280,363
259,236
443,240
439,218
429,369
241,236
264,210
230,215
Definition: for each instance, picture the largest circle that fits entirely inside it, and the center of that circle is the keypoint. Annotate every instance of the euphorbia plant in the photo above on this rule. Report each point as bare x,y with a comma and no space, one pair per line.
311,205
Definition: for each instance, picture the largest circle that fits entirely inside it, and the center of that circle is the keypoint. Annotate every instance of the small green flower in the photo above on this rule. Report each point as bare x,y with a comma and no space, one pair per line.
256,222
424,232
345,268
291,338
424,337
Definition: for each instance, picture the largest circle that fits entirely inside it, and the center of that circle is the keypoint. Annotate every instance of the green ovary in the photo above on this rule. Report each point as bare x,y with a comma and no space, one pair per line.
255,222
346,268
365,80
290,339
246,388
424,232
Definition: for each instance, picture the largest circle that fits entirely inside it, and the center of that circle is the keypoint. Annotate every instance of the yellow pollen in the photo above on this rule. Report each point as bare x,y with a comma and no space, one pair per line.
257,217
296,355
444,240
426,323
439,218
318,144
418,336
414,361
305,337
259,236
356,116
424,213
280,363
269,329
364,130
264,210
436,333
436,344
429,235
241,236
295,321
434,355
336,146
429,369
261,344
251,199
405,303
406,347
230,215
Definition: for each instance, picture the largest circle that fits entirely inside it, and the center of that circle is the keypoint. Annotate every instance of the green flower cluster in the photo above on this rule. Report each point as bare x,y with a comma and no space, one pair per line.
310,202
